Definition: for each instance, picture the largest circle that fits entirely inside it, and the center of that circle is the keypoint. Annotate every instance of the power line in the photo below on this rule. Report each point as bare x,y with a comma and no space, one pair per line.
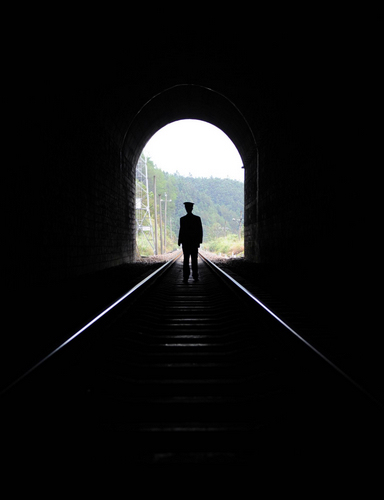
143,213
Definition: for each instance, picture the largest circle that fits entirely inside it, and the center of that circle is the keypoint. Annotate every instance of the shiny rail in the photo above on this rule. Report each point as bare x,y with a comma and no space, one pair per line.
238,286
143,285
192,368
132,293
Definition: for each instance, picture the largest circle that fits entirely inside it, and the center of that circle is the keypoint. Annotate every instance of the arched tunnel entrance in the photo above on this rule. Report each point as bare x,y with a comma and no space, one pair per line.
189,160
83,195
199,103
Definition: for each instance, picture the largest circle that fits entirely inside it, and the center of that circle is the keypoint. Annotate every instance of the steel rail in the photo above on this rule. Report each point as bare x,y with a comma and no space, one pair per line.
235,283
134,290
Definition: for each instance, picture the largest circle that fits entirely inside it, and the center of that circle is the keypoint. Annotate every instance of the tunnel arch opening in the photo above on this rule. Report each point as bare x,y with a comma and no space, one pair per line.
190,159
195,102
197,148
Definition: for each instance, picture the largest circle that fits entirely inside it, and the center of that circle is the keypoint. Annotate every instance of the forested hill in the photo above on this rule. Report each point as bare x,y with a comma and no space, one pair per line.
217,201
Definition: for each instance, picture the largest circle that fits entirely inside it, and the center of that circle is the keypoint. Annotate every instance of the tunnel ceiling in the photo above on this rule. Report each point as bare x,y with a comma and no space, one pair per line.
188,102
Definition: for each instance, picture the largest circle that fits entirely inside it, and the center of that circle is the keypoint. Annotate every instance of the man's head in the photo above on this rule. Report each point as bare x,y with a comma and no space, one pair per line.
188,206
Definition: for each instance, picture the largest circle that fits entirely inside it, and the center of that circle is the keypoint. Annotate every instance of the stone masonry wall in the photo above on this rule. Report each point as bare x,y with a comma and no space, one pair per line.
86,221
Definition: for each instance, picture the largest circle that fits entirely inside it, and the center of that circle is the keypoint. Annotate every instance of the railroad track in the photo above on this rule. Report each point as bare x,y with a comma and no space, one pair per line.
196,372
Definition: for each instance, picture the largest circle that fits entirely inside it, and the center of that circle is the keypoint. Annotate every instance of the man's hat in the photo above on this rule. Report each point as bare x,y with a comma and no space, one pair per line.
188,203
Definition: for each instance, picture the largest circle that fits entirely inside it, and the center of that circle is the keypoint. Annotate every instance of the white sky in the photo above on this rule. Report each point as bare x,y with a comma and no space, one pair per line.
196,147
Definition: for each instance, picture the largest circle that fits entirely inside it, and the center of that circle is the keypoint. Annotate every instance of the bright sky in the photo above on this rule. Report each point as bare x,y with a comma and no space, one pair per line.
195,147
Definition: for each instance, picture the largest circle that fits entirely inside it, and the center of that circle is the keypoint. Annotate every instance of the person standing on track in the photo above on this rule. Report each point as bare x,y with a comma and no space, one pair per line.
190,237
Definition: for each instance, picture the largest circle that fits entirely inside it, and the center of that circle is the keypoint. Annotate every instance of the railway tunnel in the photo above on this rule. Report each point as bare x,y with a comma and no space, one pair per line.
89,120
81,186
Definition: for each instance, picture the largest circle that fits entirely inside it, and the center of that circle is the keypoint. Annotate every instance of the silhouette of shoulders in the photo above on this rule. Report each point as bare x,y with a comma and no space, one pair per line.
190,216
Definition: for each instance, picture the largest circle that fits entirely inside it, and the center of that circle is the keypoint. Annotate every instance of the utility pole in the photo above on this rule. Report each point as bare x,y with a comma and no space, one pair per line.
161,227
143,213
155,202
165,222
239,221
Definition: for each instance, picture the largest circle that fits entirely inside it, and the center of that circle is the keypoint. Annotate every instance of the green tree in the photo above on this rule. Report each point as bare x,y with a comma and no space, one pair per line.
217,201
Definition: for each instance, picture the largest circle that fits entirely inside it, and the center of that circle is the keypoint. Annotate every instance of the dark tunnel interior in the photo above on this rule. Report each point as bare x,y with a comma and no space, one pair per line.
85,116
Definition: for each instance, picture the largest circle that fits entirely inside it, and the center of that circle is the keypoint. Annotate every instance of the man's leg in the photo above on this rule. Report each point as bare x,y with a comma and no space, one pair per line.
187,253
195,270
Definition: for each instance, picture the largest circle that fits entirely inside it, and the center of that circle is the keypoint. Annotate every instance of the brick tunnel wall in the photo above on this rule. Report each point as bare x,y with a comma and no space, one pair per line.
295,211
86,211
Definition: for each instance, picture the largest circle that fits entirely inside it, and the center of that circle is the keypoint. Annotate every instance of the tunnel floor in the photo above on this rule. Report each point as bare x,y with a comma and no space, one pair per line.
237,374
69,304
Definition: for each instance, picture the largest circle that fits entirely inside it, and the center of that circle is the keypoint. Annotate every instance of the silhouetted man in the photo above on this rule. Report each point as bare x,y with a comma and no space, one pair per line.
190,236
